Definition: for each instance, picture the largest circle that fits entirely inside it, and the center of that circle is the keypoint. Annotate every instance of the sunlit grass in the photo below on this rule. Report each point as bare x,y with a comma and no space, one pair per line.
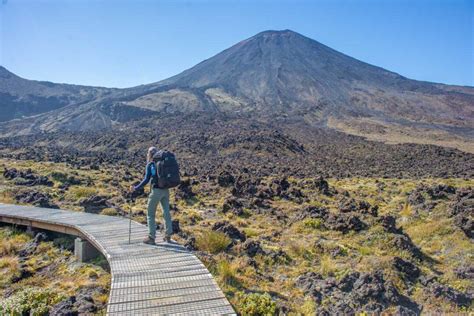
212,241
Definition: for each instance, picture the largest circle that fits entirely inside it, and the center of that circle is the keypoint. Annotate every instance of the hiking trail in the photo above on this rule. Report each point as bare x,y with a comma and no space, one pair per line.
145,280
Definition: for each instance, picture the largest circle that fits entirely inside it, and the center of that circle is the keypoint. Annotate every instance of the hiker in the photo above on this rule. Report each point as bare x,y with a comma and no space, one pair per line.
163,171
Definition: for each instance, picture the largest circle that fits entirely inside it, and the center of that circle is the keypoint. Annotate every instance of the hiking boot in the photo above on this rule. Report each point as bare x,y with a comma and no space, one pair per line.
149,241
167,238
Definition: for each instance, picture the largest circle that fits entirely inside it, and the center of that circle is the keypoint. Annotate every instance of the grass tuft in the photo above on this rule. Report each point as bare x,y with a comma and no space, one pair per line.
213,242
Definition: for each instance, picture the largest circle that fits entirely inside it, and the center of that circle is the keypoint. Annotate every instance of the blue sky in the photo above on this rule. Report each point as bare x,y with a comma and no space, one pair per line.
121,43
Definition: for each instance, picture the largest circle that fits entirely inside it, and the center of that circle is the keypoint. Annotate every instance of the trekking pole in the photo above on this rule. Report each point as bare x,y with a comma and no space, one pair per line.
130,220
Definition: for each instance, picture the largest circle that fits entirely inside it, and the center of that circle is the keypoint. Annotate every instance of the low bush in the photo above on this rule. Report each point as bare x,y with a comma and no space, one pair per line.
256,304
30,301
314,223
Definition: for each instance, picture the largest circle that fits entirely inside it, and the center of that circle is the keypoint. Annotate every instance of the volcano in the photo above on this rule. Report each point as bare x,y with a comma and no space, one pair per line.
284,77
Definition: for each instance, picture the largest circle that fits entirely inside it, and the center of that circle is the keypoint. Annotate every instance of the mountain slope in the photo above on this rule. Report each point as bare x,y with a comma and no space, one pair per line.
284,76
21,97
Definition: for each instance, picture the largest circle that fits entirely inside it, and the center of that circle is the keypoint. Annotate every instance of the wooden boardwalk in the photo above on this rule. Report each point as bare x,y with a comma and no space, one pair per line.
165,279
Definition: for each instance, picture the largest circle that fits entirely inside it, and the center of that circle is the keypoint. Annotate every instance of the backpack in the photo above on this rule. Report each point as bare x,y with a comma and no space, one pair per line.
166,173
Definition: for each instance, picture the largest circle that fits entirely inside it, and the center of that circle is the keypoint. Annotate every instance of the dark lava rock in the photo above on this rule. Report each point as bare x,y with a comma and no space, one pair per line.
311,212
260,203
184,190
466,224
465,272
454,296
175,226
389,223
233,205
409,270
26,178
279,186
244,186
404,242
10,173
362,207
278,256
190,244
463,211
30,247
369,286
425,198
440,191
354,293
22,273
308,282
36,198
225,179
256,148
405,311
252,248
94,204
322,186
463,202
230,230
264,192
344,222
416,198
347,282
64,308
84,302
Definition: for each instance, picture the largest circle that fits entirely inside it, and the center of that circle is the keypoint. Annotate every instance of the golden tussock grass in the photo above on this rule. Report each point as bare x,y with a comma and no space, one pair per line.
212,241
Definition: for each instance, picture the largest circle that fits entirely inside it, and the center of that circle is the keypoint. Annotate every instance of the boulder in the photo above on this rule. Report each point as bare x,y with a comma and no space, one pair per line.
448,293
184,190
64,308
388,222
94,204
230,230
322,186
225,179
36,198
252,248
310,211
344,222
354,293
410,271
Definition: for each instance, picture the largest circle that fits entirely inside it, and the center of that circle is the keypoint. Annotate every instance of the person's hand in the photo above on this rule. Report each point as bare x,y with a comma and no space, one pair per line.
132,188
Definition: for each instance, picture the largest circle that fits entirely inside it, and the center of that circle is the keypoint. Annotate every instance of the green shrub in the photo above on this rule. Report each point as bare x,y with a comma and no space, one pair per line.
30,301
256,304
213,242
314,223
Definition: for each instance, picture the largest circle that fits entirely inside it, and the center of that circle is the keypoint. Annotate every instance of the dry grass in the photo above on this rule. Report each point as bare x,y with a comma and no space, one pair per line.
406,210
227,273
79,192
212,242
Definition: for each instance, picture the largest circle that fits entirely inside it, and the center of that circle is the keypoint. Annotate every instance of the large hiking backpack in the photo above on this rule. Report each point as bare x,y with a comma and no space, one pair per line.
167,174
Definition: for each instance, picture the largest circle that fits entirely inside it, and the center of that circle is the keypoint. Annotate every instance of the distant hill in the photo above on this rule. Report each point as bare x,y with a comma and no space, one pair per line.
22,98
274,75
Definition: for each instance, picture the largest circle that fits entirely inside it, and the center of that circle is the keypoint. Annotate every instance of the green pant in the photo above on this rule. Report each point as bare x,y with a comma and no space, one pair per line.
161,196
